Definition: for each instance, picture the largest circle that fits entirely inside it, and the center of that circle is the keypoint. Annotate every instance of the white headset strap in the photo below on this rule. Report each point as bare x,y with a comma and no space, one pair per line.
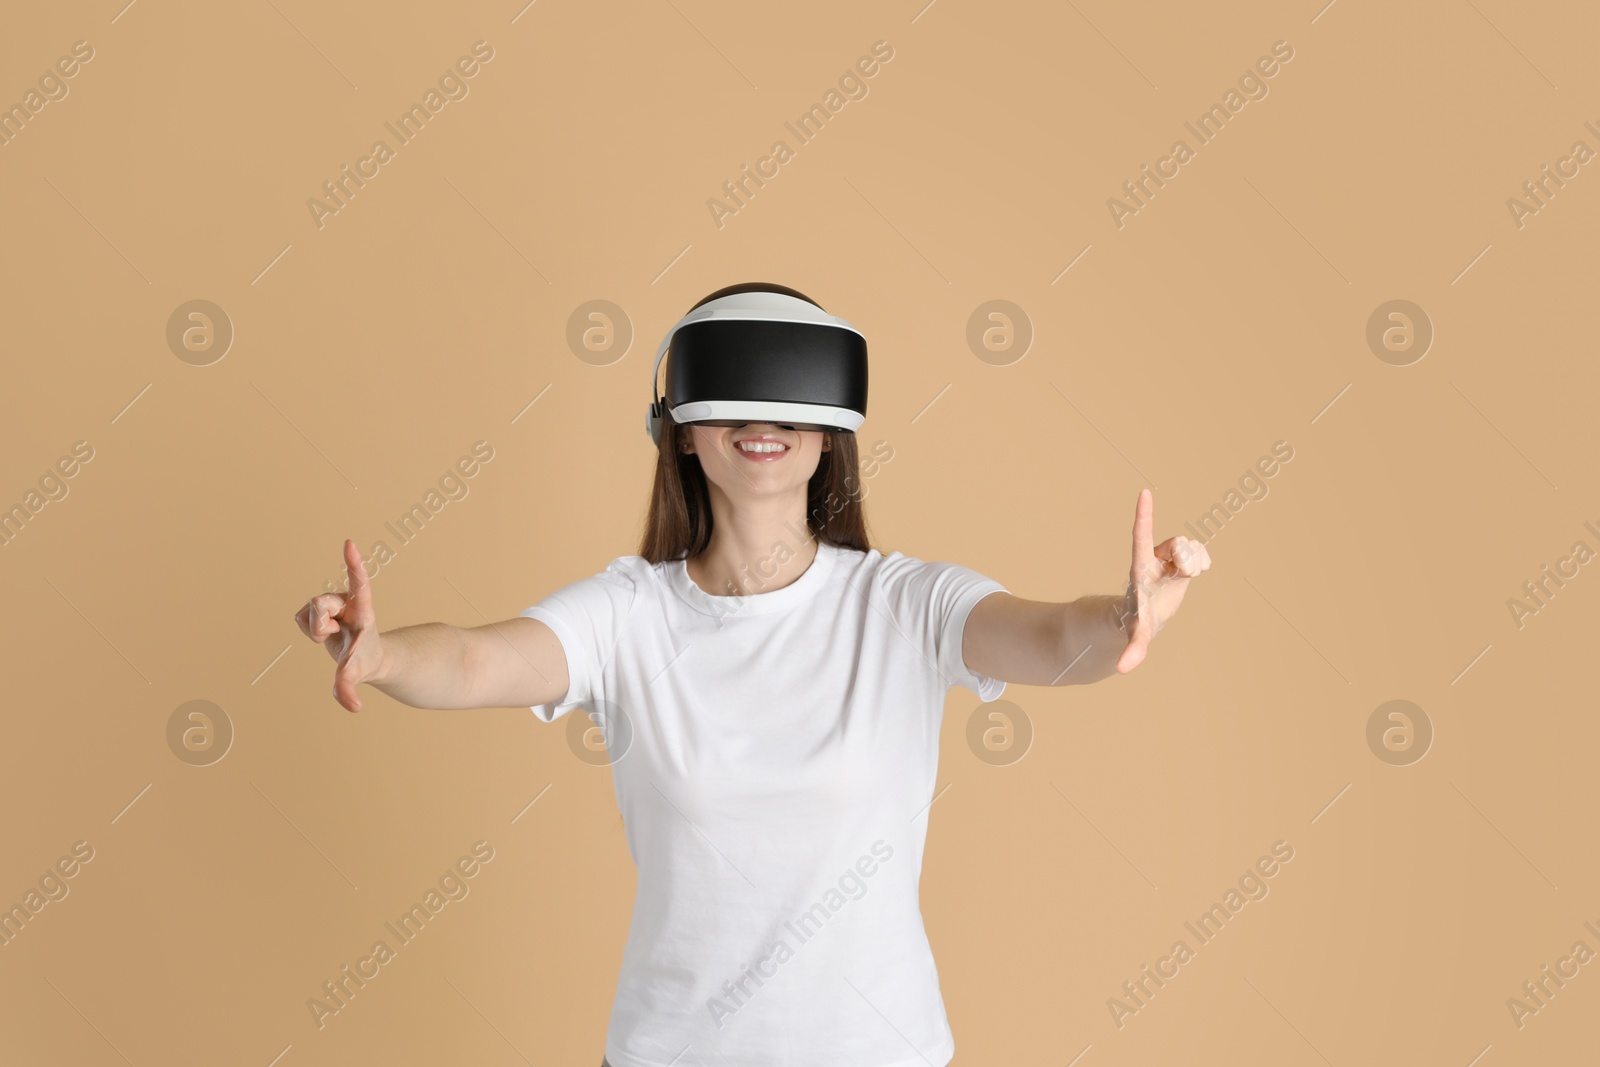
655,375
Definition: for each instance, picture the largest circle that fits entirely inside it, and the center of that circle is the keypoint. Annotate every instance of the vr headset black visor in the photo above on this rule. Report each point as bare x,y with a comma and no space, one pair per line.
763,358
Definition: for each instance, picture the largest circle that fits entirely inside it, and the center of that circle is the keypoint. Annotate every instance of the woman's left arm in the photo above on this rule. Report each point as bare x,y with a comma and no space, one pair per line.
1032,642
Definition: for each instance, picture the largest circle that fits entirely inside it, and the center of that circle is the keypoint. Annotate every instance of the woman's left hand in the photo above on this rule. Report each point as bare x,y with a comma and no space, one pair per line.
1157,580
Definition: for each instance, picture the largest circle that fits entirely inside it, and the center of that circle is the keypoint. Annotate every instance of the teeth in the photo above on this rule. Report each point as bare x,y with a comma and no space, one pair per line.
761,446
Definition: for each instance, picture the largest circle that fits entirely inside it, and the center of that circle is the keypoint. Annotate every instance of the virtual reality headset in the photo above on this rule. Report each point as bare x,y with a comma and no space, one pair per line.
761,357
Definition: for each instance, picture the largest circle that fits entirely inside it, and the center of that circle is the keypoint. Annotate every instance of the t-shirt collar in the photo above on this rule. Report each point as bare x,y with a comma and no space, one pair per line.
677,575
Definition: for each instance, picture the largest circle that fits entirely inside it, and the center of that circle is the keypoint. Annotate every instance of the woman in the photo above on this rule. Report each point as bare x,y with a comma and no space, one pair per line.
771,688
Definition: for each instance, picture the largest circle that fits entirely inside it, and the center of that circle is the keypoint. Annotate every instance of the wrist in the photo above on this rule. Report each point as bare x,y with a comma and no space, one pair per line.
1125,610
384,670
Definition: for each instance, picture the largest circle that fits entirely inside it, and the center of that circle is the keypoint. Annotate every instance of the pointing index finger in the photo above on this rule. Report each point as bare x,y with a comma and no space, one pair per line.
1143,526
359,589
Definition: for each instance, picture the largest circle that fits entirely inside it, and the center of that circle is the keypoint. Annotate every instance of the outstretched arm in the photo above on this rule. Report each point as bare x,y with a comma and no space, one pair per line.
1034,642
515,663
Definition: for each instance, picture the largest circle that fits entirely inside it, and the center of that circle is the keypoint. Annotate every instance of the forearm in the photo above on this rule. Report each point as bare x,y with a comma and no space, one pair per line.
1090,638
426,666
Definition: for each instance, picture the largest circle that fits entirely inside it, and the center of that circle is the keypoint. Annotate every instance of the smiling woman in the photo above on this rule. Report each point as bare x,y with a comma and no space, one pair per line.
777,687
680,523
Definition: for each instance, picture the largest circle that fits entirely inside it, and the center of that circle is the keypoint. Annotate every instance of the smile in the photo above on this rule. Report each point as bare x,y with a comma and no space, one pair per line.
762,451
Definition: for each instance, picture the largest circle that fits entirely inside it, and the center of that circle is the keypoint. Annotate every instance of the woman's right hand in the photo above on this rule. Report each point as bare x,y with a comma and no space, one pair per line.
358,650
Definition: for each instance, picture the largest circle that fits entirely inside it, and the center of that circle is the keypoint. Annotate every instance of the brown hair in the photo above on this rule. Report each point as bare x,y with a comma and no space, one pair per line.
678,525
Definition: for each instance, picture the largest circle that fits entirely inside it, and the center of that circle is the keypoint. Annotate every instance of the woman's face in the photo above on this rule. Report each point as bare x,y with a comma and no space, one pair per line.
758,459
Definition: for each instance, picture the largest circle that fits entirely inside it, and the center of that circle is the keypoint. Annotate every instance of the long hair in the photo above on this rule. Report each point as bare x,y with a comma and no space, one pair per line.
679,522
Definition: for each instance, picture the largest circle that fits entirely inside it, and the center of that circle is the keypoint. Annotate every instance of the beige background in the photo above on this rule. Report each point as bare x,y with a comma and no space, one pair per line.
1228,314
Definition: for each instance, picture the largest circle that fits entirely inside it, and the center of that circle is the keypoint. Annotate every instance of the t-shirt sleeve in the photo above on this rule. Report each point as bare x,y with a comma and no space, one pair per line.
587,617
931,602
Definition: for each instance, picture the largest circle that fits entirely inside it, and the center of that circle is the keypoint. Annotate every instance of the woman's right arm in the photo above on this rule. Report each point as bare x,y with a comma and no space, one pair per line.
515,663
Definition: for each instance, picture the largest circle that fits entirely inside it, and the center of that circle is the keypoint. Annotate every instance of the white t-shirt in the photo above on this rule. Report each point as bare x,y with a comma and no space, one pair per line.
781,750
